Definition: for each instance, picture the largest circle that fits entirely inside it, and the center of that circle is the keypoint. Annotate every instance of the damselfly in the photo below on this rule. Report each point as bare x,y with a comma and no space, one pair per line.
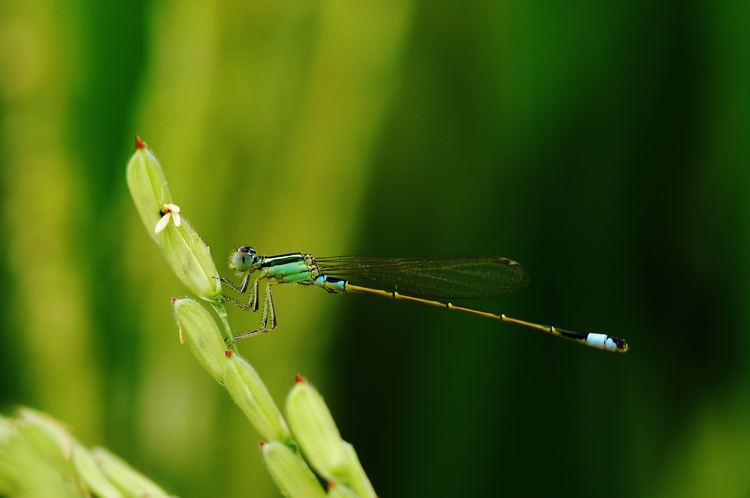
430,280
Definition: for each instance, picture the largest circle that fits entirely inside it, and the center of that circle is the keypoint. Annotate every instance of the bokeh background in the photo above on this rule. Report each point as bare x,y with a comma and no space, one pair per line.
603,145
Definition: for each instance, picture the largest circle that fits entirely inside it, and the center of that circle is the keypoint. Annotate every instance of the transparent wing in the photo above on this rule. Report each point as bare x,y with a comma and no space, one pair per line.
435,277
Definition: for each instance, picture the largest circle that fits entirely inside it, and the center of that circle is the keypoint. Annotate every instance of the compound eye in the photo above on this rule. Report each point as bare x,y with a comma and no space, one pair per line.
243,259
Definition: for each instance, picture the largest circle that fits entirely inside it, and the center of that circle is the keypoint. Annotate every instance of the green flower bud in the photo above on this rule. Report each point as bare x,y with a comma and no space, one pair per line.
358,479
190,259
183,249
38,457
26,471
251,395
202,335
92,475
316,432
148,186
338,490
127,479
48,435
291,473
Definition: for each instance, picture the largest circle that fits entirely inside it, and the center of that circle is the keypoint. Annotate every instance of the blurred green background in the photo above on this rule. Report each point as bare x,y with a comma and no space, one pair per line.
604,146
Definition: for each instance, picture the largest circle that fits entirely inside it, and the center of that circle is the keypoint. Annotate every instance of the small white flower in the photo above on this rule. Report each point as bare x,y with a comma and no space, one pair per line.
170,211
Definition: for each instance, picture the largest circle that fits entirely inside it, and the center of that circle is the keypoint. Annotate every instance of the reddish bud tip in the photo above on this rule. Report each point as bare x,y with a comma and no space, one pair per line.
140,144
228,353
262,444
174,300
330,484
298,379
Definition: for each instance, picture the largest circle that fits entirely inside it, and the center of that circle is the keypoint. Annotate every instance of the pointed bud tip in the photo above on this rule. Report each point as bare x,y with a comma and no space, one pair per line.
262,444
298,379
174,300
140,144
228,353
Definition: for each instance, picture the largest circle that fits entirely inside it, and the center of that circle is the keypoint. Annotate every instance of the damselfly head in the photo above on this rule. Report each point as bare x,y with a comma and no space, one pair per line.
243,260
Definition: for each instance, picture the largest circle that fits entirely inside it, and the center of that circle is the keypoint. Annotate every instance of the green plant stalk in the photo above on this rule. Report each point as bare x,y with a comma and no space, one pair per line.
312,423
220,309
